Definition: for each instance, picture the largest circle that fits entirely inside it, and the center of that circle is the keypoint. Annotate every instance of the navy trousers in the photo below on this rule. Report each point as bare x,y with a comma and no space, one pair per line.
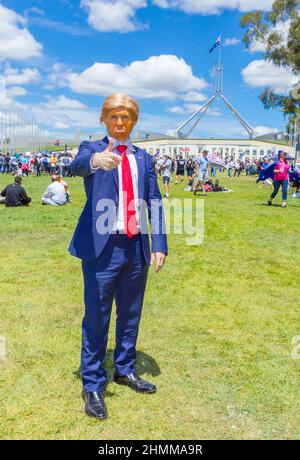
121,273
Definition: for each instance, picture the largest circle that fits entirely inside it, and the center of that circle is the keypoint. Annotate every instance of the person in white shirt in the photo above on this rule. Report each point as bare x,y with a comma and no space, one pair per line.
166,172
55,194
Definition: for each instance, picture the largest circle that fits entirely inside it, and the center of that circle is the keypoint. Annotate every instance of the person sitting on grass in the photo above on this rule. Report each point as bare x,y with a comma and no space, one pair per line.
55,194
219,188
64,183
208,186
15,195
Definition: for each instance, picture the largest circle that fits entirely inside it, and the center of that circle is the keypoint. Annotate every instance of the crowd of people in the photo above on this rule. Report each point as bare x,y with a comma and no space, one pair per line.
201,174
201,170
36,164
56,165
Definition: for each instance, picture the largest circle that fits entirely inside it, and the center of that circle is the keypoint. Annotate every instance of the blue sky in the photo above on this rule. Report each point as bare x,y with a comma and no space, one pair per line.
59,59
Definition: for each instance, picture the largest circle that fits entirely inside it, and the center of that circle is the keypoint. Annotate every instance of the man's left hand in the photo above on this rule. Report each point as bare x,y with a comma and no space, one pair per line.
159,259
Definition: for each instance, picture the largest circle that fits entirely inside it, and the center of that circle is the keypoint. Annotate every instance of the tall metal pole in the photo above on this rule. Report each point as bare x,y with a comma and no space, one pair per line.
218,94
219,69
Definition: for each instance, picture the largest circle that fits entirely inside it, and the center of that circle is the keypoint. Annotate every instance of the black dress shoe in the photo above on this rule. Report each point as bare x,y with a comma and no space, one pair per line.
135,382
94,404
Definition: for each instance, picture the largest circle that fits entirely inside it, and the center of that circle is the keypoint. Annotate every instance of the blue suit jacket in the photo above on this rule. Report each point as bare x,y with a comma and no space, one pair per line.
87,243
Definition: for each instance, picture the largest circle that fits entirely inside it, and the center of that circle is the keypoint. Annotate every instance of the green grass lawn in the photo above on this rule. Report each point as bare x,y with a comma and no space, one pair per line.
215,337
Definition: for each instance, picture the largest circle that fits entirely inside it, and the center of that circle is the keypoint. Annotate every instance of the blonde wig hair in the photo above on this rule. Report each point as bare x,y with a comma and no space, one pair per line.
117,100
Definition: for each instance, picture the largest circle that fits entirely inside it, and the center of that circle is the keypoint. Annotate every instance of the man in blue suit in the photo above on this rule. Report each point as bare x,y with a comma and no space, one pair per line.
112,240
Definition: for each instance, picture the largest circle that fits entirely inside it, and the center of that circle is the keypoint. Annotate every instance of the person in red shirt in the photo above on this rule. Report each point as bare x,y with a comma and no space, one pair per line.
281,178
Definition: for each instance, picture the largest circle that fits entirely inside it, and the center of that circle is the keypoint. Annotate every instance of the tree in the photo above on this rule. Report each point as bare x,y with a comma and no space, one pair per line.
279,33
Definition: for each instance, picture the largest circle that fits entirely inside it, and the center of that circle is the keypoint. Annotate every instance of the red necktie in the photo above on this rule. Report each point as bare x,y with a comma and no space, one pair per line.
130,224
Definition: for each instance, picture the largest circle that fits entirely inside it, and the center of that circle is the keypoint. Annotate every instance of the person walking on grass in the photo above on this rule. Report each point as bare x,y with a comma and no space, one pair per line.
247,166
281,179
201,173
25,165
37,166
53,163
180,167
166,174
237,168
190,167
229,168
6,164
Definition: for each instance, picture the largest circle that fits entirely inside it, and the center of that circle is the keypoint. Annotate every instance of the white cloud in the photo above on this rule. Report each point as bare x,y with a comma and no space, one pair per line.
261,73
184,109
232,41
113,15
177,109
63,114
37,11
220,127
60,125
261,130
63,102
29,129
7,95
60,112
191,108
16,42
2,84
15,91
208,7
164,76
87,119
23,77
214,112
250,5
5,101
120,15
57,76
156,123
193,96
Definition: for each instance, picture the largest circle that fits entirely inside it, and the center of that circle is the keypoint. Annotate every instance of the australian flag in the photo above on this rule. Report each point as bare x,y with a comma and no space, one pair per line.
217,43
268,171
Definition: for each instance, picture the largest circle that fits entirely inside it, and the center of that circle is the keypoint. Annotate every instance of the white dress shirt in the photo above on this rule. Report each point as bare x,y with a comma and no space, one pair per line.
119,223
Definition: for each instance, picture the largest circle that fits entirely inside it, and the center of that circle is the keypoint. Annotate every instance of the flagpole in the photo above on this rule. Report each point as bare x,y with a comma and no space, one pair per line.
219,89
218,94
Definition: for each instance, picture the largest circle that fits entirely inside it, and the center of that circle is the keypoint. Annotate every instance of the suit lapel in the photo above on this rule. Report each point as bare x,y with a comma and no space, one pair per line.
139,157
115,174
